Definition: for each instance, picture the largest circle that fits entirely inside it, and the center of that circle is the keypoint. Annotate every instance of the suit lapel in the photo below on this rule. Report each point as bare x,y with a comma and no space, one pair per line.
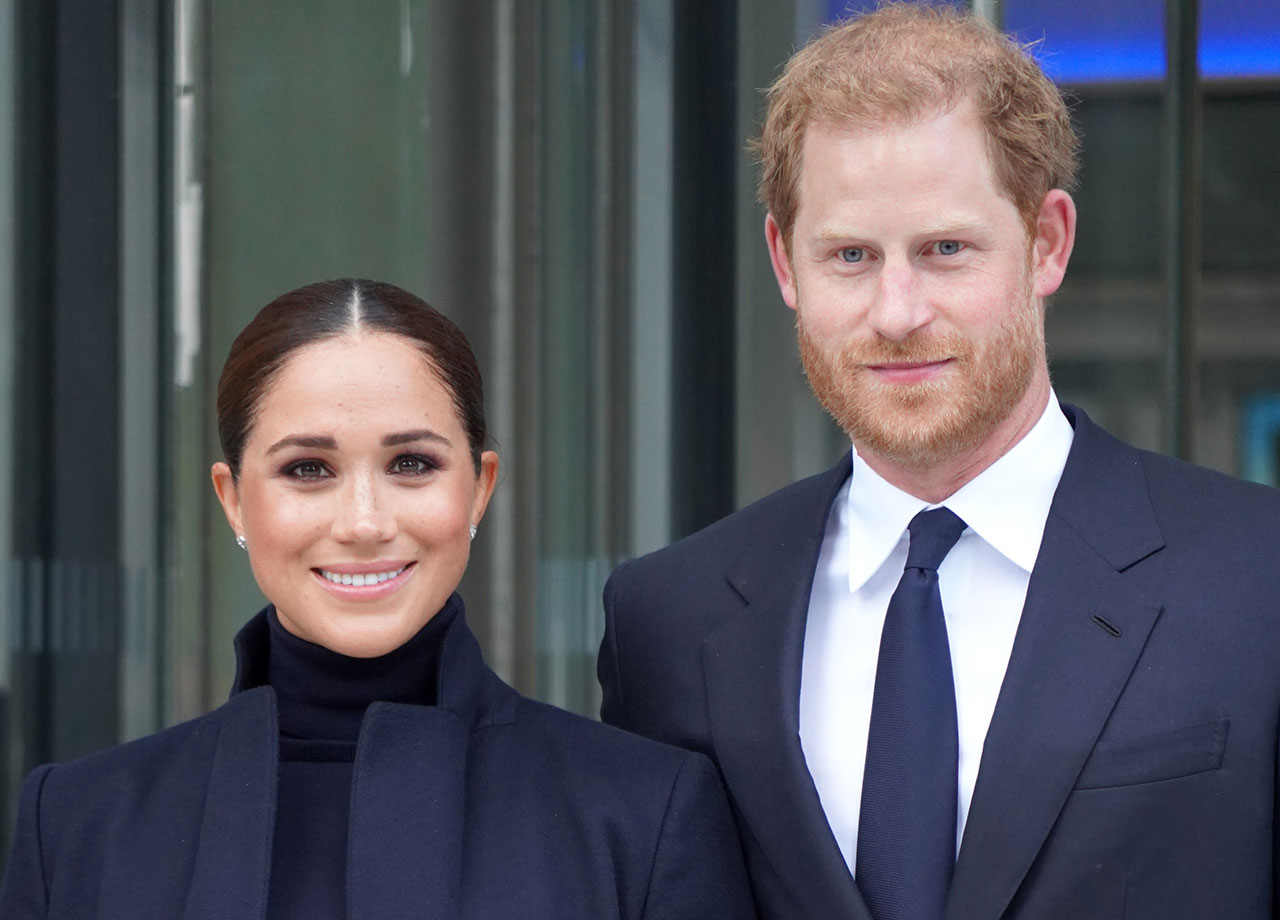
233,853
1066,670
752,667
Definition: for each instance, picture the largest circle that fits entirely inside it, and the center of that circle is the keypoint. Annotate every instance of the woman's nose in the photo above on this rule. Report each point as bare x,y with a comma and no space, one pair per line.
365,516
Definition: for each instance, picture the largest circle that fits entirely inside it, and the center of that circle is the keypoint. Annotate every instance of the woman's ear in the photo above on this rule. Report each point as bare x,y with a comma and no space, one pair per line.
224,485
485,483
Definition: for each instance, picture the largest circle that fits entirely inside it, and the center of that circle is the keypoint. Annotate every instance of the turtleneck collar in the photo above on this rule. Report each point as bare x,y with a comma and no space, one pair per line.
322,695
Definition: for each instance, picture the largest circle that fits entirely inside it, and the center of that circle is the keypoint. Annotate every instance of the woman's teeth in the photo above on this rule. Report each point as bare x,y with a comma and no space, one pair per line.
360,581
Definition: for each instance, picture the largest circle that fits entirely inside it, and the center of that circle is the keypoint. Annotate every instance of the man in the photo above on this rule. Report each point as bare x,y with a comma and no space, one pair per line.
1057,699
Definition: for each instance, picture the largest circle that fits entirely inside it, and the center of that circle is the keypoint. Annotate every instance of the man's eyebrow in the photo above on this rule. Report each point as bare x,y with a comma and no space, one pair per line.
958,227
321,441
418,434
831,234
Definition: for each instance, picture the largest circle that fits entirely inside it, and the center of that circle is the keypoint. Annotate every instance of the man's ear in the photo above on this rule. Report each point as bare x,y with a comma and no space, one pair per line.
224,484
781,261
1055,237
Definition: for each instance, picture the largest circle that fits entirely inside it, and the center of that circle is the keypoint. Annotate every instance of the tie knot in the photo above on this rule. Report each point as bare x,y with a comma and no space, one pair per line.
933,533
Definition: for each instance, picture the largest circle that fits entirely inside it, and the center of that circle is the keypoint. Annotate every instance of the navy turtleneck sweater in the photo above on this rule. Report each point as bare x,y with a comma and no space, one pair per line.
321,697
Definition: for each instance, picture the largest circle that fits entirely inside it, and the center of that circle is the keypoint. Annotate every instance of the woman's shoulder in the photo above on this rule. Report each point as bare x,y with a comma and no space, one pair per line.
114,776
603,750
653,808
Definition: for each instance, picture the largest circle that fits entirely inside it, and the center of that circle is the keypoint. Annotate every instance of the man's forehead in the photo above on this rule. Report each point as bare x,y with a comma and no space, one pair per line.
834,124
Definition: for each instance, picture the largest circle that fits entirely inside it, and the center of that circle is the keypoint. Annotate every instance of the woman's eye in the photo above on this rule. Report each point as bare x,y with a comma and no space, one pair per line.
307,469
413,465
948,247
851,254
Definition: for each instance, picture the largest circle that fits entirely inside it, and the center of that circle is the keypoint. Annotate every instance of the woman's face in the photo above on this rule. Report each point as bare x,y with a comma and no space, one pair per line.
356,494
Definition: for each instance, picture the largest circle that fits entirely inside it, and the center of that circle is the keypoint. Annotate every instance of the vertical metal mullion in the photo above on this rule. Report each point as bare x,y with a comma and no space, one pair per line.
990,10
528,206
650,294
12,635
503,382
1184,115
705,142
140,414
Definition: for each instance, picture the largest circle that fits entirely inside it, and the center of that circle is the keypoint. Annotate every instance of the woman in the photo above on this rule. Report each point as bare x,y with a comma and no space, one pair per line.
368,763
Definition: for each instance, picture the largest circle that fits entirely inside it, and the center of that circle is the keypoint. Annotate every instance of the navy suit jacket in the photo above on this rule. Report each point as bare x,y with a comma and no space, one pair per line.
1129,771
486,806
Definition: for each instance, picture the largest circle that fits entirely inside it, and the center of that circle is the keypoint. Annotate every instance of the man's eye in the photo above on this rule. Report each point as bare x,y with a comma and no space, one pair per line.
851,254
413,465
307,469
948,247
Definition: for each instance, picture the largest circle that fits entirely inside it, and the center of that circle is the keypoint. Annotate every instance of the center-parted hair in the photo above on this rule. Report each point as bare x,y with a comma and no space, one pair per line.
326,310
908,62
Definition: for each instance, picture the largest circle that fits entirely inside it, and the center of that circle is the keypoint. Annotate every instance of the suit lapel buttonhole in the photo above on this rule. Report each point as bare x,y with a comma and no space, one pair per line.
1107,626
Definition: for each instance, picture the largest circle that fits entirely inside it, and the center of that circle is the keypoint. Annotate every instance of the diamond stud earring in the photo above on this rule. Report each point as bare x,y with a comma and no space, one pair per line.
242,542
473,531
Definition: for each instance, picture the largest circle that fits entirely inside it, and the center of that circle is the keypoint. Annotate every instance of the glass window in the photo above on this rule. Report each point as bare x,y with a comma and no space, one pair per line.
10,764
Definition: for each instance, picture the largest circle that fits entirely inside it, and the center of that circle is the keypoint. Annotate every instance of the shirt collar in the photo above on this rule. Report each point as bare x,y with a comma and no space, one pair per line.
1006,504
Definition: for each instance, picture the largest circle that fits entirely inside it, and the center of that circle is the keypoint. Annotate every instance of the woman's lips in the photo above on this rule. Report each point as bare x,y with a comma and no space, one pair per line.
365,581
903,372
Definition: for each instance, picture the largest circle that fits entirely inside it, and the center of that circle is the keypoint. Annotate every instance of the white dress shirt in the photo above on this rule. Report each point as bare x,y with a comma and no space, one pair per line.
983,582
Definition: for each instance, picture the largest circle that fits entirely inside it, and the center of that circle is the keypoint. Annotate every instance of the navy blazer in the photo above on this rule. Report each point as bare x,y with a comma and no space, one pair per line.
1129,772
488,805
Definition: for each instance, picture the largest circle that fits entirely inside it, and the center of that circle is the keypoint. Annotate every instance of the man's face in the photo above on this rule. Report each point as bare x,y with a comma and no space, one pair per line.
915,288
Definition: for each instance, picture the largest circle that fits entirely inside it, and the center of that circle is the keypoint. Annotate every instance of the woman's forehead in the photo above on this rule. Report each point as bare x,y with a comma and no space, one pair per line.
379,378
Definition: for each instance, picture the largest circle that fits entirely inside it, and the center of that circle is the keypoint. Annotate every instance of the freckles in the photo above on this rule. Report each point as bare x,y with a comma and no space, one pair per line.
446,515
300,518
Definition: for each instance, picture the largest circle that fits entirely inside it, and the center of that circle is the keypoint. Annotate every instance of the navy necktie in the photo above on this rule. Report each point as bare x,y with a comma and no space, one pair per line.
907,825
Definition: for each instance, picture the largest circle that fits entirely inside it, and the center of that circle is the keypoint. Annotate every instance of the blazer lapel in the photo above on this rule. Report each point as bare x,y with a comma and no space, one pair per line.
233,853
1066,669
408,795
407,801
752,667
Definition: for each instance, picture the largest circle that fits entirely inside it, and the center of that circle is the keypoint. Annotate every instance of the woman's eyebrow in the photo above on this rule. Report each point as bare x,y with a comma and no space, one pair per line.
321,441
328,442
408,437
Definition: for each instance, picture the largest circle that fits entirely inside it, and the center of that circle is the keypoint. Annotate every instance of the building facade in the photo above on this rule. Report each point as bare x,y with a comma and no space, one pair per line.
568,180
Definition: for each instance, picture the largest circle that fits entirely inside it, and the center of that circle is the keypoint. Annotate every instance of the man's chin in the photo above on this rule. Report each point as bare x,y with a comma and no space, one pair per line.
914,440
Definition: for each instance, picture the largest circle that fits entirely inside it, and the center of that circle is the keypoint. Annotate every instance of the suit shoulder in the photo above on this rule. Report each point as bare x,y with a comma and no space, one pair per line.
791,510
1184,490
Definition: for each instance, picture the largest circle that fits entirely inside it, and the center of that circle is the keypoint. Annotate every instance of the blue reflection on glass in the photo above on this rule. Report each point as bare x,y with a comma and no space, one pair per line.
840,9
1240,38
1099,40
1089,41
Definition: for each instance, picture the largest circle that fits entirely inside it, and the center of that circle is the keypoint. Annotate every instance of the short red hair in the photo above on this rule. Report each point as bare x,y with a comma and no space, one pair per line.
910,61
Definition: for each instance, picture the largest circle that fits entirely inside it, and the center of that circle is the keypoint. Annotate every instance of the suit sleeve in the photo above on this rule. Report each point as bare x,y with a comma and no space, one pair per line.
24,895
1275,837
698,869
608,665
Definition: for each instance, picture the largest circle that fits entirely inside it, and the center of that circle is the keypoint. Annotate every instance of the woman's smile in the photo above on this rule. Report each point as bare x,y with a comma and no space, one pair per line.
365,582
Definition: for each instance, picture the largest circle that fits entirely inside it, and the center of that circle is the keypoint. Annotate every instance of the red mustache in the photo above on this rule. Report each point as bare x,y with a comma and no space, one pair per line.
912,350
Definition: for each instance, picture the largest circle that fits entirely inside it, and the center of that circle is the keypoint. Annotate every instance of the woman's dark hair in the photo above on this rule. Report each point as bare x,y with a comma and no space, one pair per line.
329,309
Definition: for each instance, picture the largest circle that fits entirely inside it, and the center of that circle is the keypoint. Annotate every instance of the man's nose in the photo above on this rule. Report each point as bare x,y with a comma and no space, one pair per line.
899,306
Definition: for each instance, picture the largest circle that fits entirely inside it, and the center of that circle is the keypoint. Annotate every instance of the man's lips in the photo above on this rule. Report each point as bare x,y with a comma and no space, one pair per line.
908,371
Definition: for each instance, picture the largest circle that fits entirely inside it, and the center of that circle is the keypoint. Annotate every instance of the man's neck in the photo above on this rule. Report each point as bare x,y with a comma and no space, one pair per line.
940,481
